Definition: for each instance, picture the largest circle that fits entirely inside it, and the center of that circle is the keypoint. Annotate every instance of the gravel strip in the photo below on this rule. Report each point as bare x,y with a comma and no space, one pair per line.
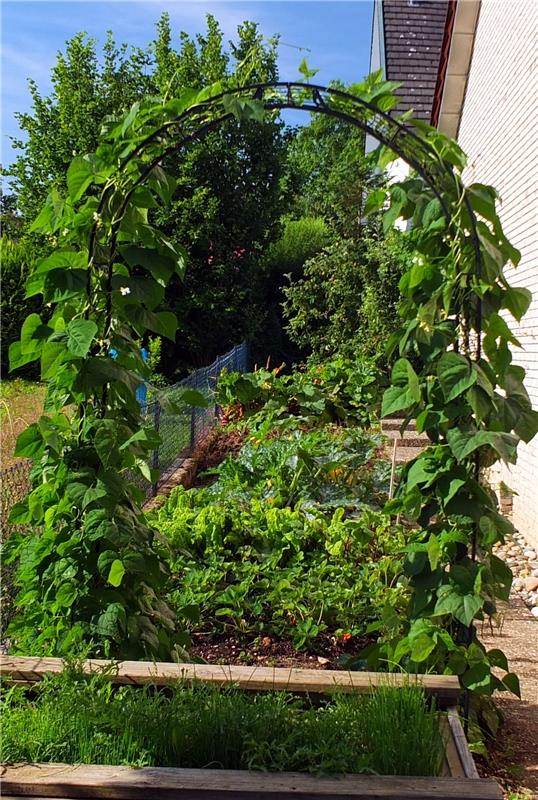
523,561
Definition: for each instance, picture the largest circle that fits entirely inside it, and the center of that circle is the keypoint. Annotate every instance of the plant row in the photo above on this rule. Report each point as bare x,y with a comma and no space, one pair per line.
75,719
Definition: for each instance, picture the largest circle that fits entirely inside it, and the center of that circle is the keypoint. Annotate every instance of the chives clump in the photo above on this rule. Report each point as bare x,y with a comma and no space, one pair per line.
73,718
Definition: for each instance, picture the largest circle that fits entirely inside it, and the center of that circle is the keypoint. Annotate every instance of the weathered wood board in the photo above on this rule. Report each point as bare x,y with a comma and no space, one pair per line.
126,783
29,670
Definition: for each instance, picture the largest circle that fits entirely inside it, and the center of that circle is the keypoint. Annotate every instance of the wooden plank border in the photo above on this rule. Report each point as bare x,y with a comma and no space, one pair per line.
301,681
148,783
460,741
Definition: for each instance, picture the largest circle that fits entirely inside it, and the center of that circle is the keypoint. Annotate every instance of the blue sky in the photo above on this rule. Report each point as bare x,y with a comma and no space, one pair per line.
336,33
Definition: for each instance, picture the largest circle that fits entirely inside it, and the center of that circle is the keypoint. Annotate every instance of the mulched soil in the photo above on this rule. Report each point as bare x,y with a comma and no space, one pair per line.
272,652
213,449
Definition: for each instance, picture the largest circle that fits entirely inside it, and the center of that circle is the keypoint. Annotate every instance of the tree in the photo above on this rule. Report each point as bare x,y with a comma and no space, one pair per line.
11,221
228,203
330,174
67,122
345,298
229,192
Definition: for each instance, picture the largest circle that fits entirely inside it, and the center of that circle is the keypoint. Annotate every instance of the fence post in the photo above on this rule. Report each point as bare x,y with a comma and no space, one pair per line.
155,462
215,382
193,428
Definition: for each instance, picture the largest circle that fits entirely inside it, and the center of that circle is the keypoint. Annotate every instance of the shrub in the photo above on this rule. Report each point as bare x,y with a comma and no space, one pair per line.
301,239
338,390
17,259
347,299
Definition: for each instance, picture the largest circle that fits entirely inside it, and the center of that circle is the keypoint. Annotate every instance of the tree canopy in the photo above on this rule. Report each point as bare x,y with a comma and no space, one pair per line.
230,191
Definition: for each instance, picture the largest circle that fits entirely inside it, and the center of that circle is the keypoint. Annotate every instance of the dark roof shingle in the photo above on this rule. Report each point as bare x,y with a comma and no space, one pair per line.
413,39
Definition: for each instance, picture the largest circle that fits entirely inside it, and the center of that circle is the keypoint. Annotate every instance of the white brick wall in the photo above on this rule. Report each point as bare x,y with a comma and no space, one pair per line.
499,132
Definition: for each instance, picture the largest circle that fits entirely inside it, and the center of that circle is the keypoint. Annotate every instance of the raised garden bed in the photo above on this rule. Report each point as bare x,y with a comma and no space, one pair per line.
459,778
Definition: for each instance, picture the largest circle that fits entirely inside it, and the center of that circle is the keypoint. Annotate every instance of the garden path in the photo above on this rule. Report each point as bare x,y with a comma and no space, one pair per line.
514,759
403,447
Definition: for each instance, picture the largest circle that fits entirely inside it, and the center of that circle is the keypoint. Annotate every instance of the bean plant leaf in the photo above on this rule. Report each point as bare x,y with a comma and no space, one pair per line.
463,444
405,391
117,571
80,174
477,678
422,646
29,442
511,682
375,201
433,214
192,397
497,659
455,375
306,71
517,300
80,335
462,607
398,201
502,576
52,356
112,621
62,259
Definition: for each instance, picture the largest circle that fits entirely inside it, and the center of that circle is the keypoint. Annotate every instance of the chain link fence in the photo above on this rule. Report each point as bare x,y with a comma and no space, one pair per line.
179,432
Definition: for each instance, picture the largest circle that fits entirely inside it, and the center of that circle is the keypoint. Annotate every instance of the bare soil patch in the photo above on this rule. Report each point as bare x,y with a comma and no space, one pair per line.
213,449
273,652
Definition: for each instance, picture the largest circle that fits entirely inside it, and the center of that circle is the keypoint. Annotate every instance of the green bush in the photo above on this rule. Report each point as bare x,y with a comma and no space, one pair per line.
301,239
16,259
338,390
346,301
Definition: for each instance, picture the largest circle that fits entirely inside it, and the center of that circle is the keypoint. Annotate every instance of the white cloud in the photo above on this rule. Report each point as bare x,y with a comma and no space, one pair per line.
17,61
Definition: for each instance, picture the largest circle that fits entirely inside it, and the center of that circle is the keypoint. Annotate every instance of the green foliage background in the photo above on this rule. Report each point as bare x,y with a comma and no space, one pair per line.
230,190
17,259
344,299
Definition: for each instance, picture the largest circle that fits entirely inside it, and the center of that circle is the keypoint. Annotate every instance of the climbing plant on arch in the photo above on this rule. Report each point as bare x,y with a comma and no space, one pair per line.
94,577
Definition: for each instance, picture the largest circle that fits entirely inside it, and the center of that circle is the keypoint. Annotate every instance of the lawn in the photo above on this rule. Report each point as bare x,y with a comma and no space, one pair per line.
21,403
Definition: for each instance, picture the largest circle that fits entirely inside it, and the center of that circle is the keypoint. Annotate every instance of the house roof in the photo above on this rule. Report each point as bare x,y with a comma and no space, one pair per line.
414,32
456,56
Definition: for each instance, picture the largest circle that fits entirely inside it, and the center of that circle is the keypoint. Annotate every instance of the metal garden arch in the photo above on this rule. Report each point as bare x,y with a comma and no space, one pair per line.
396,134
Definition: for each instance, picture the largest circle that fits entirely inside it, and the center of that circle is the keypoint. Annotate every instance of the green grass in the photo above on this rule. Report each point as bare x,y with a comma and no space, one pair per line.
21,403
74,719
